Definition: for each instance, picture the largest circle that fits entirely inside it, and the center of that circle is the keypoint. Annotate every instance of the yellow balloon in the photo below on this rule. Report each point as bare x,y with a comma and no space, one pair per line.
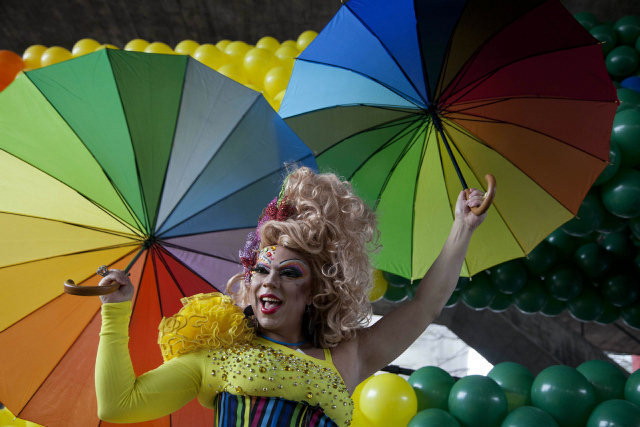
237,50
222,44
305,38
380,285
388,400
287,52
186,47
290,43
276,80
107,46
359,420
269,43
84,46
53,55
159,47
136,45
233,71
256,63
210,56
31,56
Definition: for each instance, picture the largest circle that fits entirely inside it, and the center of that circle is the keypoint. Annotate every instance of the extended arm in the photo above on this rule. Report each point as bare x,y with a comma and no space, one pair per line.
124,398
384,341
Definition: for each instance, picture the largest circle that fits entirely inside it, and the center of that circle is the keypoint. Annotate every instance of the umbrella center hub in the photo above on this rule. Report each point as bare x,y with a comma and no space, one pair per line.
150,241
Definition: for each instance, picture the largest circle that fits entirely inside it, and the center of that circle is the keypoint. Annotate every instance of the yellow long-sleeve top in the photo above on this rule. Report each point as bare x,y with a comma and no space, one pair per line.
210,359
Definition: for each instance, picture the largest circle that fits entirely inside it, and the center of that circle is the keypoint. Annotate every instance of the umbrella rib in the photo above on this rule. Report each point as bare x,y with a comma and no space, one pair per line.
446,186
490,101
137,294
386,49
403,95
87,227
61,358
376,106
478,178
461,92
164,253
195,180
155,273
503,122
401,133
86,251
115,188
404,151
227,196
184,248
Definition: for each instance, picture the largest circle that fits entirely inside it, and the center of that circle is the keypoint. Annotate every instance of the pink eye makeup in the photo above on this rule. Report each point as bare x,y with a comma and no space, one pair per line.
294,268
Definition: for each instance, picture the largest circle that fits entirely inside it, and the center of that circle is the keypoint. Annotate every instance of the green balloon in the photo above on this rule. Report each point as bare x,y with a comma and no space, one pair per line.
529,416
462,283
620,289
542,258
509,277
625,134
634,226
433,417
479,293
476,400
622,61
453,299
627,29
593,259
605,34
564,282
632,388
395,293
532,297
515,381
553,307
501,302
611,224
621,195
564,393
631,315
610,313
432,386
565,244
628,98
615,412
607,380
617,244
395,280
587,306
587,19
615,160
590,216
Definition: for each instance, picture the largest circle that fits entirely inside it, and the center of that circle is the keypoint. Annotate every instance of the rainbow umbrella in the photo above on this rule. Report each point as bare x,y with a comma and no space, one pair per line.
409,100
105,158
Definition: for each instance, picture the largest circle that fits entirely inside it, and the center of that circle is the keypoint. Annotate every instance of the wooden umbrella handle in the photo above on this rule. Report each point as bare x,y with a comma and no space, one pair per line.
89,291
488,195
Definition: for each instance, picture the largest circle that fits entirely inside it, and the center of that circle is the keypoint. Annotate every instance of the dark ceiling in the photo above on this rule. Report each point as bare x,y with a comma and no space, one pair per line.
64,22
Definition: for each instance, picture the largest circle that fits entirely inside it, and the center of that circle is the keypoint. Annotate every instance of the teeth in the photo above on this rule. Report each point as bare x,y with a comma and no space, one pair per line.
270,299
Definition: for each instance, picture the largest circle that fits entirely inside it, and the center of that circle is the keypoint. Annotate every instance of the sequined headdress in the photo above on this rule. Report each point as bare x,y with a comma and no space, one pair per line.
277,210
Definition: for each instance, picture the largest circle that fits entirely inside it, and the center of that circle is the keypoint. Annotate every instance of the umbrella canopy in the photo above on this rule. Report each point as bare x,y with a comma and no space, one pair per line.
408,99
104,156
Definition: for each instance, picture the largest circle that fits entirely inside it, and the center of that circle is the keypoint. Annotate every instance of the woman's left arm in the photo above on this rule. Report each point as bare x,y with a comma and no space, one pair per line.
381,343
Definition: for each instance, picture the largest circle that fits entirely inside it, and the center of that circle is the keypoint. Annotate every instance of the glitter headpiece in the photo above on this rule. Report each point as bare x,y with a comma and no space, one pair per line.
277,210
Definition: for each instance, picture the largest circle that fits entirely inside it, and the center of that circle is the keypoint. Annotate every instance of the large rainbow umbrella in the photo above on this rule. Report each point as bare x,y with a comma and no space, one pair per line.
104,158
410,99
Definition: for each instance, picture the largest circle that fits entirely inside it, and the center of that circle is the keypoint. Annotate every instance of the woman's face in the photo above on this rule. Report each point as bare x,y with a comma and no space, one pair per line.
280,290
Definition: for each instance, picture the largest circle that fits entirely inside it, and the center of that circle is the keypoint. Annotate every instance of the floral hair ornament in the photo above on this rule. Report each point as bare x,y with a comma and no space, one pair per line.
277,210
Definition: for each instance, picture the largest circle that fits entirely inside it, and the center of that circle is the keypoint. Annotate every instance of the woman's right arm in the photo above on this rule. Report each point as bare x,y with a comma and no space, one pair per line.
121,396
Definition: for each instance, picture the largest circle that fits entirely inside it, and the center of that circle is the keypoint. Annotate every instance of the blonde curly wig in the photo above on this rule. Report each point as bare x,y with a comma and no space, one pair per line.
332,229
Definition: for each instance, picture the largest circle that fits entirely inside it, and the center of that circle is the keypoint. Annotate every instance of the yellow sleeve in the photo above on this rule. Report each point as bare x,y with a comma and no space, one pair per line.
124,398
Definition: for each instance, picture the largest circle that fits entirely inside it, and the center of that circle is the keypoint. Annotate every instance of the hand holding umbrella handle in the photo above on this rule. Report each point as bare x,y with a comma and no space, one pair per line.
91,291
488,195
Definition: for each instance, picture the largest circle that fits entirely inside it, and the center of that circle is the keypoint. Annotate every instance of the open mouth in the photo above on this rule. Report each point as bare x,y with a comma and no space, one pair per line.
269,304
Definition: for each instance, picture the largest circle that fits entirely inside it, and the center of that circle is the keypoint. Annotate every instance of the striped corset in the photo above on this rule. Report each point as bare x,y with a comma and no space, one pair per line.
254,411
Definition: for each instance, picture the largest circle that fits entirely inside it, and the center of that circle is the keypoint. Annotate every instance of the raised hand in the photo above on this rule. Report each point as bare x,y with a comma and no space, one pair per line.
124,292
